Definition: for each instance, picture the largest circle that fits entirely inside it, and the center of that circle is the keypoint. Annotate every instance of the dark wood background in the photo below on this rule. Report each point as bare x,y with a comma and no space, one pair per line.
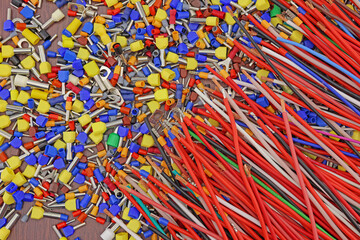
41,229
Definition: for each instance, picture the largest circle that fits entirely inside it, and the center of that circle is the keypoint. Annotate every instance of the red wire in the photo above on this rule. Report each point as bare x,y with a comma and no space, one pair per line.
202,193
331,117
292,234
241,169
157,192
350,13
306,59
330,214
174,214
287,210
296,166
324,140
341,173
343,16
341,56
230,212
316,94
262,208
256,158
232,171
337,38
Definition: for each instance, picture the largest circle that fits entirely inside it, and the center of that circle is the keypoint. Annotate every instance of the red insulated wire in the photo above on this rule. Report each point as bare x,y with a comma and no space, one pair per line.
223,187
277,203
205,126
263,209
236,200
349,40
337,11
341,173
291,111
281,148
172,192
280,124
347,189
224,173
232,171
172,233
212,183
202,112
248,150
337,38
305,7
293,69
220,209
325,141
333,56
183,231
268,45
321,45
289,230
224,124
296,166
350,13
202,193
340,225
260,214
133,201
207,223
247,225
185,155
223,191
229,185
174,214
331,117
280,207
229,81
247,99
268,168
304,87
334,50
352,41
180,230
241,169
282,51
305,124
307,234
279,229
219,195
278,220
239,235
313,92
213,160
320,218
157,192
218,170
294,227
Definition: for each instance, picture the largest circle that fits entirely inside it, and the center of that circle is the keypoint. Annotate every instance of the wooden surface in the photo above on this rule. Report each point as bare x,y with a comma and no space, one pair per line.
41,229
